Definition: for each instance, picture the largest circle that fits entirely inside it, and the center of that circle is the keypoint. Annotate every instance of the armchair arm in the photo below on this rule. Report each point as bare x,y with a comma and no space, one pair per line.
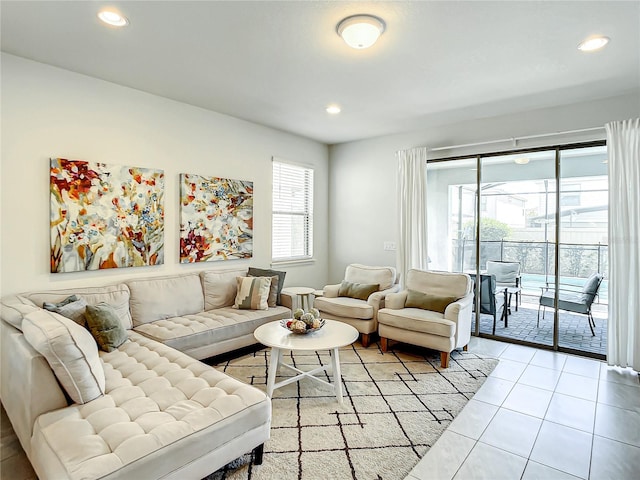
331,291
459,312
396,301
453,310
377,299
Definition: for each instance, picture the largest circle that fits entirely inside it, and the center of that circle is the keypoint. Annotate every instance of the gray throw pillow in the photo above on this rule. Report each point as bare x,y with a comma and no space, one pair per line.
72,307
104,324
263,272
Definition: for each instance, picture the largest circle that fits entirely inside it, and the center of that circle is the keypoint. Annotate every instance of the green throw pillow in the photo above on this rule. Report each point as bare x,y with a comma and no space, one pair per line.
104,324
360,291
426,301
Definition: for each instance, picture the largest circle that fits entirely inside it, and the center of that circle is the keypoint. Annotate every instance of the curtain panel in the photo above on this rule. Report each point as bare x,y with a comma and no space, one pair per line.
623,338
412,208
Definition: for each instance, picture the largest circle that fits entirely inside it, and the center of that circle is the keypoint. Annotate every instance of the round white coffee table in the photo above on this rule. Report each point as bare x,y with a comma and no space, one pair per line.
330,337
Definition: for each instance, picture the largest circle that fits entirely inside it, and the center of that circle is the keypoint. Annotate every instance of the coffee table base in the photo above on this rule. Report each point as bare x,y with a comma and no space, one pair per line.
276,361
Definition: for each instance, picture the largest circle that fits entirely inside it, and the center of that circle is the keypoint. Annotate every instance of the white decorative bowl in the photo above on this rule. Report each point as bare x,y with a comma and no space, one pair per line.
283,323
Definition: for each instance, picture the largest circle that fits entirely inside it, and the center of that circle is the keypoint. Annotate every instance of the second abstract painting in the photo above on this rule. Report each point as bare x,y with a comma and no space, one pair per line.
216,218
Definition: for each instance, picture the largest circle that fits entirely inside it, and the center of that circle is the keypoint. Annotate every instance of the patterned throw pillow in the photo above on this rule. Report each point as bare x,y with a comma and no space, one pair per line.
272,301
72,307
104,324
264,272
253,293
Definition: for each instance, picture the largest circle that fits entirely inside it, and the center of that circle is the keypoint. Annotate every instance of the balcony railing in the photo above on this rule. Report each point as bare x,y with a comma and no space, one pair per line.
537,259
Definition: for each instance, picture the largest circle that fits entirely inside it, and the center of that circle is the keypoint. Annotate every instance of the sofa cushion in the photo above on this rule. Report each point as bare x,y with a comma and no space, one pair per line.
417,320
161,410
220,287
115,295
103,323
361,291
72,307
71,352
383,276
193,331
345,307
265,272
426,301
253,293
165,297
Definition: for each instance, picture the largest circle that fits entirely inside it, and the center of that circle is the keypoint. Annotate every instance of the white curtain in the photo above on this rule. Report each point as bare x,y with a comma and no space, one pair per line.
412,218
623,336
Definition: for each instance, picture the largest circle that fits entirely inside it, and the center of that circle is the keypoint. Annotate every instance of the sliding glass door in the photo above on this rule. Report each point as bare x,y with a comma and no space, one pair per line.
494,217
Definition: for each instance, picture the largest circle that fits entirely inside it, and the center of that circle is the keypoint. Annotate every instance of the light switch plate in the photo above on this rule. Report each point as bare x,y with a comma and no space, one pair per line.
389,246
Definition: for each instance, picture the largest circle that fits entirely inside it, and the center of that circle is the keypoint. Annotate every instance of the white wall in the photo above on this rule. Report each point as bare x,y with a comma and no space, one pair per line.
50,112
362,181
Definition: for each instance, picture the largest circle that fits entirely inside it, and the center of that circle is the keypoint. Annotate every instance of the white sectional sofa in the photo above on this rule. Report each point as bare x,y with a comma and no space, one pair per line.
160,413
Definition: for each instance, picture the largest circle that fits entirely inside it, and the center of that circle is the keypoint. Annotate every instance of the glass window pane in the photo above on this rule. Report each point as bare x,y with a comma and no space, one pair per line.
292,214
584,206
517,236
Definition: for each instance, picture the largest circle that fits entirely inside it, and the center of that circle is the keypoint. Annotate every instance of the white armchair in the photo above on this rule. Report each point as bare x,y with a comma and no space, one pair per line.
358,298
433,312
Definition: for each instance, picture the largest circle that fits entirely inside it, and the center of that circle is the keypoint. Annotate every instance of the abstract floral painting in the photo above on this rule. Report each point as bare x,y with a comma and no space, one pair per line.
105,216
216,221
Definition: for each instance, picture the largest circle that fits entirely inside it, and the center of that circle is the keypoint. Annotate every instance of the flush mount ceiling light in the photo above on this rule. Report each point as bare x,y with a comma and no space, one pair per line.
113,18
521,160
360,31
333,109
592,44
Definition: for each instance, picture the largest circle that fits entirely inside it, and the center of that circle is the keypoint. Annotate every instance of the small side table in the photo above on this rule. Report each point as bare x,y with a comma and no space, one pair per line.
302,294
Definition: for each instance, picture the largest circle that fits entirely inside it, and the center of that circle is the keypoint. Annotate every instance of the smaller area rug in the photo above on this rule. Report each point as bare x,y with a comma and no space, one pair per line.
396,406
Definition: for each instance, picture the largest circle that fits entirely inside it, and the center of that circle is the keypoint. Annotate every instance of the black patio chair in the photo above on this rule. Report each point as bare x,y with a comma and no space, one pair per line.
573,300
491,299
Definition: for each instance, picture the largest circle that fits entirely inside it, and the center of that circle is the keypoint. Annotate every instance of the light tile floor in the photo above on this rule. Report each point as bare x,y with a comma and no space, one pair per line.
542,415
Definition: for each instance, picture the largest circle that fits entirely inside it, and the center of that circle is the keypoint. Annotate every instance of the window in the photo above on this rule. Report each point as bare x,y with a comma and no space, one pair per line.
292,220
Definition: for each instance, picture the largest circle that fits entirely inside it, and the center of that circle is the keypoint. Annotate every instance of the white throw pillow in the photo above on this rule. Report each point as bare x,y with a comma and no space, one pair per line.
253,293
71,352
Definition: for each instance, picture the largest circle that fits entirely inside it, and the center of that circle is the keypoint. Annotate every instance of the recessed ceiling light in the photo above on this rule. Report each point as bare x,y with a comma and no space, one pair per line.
521,160
360,31
333,109
113,18
593,43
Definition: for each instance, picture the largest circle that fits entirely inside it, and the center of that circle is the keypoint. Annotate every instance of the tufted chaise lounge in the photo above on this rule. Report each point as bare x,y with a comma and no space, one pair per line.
162,414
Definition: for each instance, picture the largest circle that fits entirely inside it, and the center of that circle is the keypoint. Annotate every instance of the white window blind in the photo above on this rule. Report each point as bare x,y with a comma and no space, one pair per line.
292,228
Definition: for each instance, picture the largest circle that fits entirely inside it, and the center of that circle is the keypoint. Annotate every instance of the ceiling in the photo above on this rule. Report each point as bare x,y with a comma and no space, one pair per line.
280,63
